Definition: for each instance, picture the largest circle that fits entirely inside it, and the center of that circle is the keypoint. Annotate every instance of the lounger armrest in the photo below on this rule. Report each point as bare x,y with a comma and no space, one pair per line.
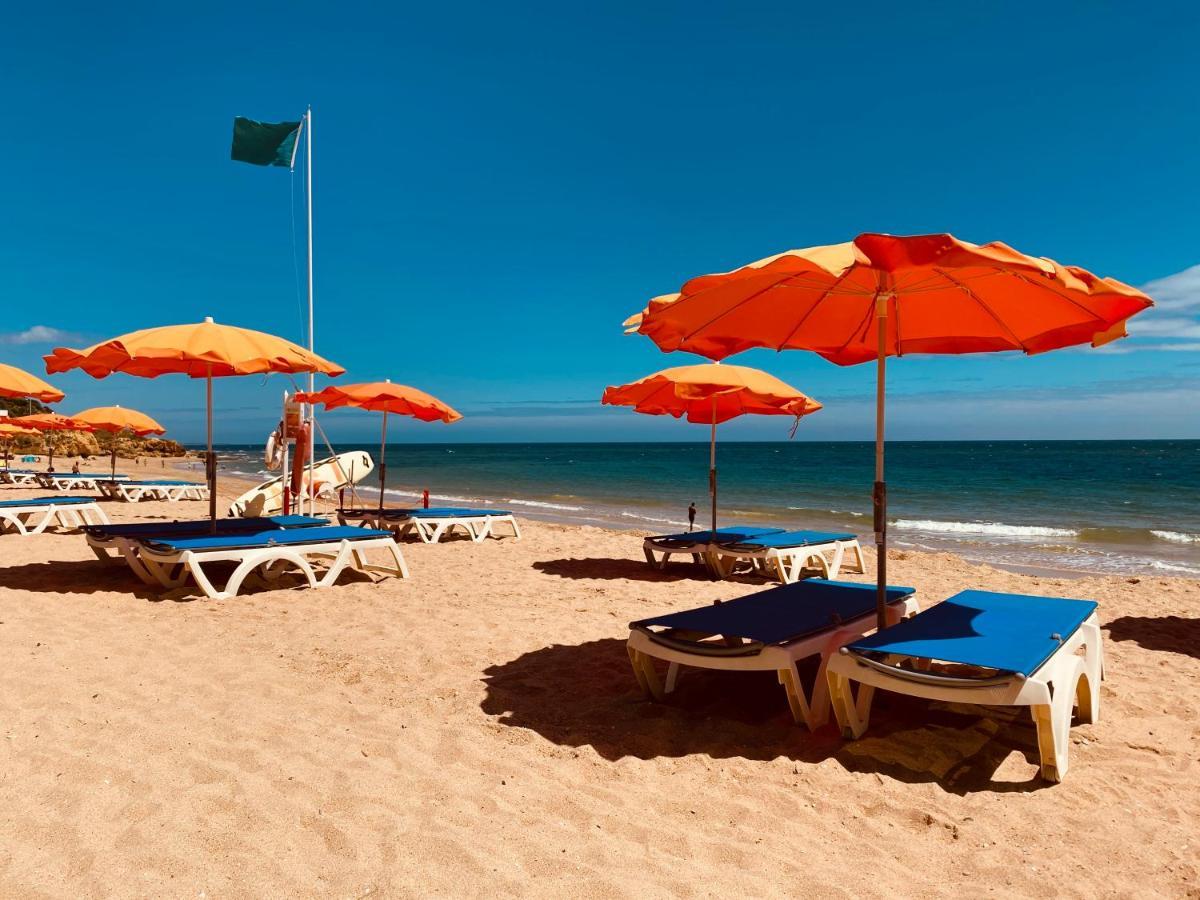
932,678
698,648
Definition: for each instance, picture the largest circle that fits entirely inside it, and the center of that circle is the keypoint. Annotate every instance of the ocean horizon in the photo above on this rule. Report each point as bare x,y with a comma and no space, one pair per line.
1099,507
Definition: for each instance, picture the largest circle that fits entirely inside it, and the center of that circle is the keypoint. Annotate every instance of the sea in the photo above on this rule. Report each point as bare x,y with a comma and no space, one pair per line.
1073,506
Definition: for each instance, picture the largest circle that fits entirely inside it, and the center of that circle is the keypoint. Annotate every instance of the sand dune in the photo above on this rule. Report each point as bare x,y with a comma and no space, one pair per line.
476,730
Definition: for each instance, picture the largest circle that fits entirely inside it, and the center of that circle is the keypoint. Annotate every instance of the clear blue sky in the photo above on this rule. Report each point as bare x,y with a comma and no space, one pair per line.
499,185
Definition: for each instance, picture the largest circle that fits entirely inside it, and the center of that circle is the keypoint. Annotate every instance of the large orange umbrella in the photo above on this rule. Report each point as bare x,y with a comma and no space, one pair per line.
200,350
711,393
384,397
115,419
48,423
882,295
16,382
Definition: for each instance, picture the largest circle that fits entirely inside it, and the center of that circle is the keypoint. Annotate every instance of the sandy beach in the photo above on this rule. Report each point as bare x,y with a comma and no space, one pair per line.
475,730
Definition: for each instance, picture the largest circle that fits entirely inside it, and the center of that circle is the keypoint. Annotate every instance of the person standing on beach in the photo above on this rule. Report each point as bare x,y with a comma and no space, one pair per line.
692,516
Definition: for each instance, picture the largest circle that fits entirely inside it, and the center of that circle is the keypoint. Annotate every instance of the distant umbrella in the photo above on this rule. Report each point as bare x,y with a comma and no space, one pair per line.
115,419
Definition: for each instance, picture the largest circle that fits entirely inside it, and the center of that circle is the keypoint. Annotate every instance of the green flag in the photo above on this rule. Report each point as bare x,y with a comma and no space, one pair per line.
264,143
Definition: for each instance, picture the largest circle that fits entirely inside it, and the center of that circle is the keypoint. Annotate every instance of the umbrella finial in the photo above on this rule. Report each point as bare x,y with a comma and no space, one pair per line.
208,320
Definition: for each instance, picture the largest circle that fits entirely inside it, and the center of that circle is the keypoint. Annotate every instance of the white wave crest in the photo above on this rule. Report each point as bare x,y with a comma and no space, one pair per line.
1177,537
997,529
625,514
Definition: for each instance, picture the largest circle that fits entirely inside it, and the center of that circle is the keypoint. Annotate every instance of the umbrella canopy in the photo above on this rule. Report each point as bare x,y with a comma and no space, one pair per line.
16,382
882,295
7,432
116,419
50,422
200,350
711,393
384,397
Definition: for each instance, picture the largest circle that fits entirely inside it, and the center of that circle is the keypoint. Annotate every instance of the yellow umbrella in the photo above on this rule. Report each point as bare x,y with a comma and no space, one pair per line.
199,350
16,382
115,419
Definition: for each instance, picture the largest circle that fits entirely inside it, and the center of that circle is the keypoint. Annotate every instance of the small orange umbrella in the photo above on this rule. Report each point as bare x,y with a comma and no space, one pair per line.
199,350
711,393
116,419
51,422
16,382
384,397
882,295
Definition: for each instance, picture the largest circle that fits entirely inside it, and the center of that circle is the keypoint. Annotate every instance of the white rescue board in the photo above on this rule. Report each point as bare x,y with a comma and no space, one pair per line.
329,475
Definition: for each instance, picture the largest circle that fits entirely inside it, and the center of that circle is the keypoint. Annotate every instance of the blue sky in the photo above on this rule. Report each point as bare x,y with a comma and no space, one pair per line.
499,185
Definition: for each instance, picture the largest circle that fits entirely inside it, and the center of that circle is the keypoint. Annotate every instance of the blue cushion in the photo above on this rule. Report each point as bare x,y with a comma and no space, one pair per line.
786,539
1010,632
784,613
201,527
275,537
47,501
730,534
155,482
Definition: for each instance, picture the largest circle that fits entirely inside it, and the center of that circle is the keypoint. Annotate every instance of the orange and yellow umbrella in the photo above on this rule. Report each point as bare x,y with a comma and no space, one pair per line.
16,382
883,295
711,393
116,419
8,431
51,422
384,397
199,350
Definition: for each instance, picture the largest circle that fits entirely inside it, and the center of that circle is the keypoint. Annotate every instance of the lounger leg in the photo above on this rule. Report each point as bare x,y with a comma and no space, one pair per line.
803,712
643,670
856,549
853,713
672,677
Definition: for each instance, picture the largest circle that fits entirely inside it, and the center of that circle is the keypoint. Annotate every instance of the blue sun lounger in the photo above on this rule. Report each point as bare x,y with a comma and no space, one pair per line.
696,544
169,489
111,543
34,516
988,649
770,630
433,523
786,555
75,481
171,561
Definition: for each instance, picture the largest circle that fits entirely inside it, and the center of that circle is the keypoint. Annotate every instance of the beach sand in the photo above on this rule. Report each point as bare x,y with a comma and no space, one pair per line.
476,730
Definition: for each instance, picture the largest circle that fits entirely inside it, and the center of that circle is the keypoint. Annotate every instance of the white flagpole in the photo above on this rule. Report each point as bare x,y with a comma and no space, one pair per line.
312,410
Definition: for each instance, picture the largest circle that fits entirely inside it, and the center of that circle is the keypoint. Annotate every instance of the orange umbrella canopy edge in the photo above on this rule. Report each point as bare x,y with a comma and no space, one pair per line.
940,295
197,350
51,422
384,396
711,393
119,418
17,383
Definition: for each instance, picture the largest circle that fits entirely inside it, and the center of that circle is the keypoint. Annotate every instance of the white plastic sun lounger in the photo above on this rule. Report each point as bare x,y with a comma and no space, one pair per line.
70,481
20,477
433,524
171,562
34,516
988,649
660,548
171,490
786,555
770,630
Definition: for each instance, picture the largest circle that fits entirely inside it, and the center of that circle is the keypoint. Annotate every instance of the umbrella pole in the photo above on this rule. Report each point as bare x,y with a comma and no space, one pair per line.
382,457
210,460
712,470
879,497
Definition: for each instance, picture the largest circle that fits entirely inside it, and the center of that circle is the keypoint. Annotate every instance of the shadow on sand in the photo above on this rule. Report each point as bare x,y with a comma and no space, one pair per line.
1171,634
585,695
618,569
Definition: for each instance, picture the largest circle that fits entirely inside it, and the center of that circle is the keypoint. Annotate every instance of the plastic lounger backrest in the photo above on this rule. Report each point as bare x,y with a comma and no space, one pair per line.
780,614
202,526
731,534
785,539
1014,633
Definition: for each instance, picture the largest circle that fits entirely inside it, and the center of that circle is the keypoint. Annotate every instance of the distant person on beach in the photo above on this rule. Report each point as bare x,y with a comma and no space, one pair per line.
692,516
75,468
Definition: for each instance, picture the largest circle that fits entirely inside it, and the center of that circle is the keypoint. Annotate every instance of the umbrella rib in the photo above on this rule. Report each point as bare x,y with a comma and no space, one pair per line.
815,304
974,296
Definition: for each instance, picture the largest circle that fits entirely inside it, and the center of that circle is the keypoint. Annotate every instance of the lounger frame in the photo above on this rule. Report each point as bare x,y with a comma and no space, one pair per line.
170,569
21,479
809,707
788,564
134,491
71,481
37,517
1069,680
431,529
